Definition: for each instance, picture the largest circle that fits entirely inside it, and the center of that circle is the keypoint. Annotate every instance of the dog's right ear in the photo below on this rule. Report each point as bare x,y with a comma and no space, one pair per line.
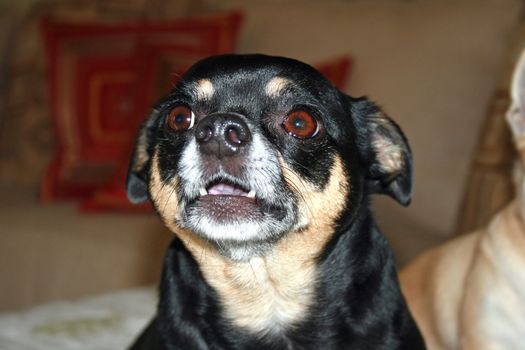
516,112
138,171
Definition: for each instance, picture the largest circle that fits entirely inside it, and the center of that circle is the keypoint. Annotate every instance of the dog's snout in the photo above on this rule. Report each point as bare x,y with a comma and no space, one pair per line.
222,135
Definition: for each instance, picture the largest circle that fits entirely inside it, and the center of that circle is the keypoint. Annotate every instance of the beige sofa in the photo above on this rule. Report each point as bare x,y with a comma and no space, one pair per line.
433,66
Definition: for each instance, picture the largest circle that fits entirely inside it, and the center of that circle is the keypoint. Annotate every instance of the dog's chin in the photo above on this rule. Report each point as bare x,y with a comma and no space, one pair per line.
239,226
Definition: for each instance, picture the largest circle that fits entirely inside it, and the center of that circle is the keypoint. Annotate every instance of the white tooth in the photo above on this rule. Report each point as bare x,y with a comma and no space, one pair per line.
203,191
251,194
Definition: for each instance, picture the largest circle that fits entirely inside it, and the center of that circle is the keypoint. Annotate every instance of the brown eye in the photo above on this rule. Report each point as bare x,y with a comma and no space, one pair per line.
300,124
181,118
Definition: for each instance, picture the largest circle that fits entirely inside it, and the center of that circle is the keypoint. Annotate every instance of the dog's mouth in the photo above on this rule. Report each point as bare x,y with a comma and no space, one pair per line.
239,219
225,201
225,189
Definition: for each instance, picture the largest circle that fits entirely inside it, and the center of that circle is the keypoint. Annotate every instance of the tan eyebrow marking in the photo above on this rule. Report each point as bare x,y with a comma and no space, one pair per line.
205,89
276,85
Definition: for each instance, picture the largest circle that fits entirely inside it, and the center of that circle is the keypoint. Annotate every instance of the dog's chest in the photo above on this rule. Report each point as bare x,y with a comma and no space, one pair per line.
499,279
263,295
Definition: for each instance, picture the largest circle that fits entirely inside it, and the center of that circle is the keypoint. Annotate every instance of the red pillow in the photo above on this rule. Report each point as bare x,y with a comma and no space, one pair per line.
113,196
336,70
101,83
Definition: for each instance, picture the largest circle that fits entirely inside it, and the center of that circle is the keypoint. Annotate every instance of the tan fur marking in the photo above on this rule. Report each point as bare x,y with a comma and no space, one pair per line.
268,293
205,89
141,155
163,195
389,155
276,85
318,210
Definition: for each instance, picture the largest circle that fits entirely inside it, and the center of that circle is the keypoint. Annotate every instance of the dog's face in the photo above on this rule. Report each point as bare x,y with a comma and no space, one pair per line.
247,149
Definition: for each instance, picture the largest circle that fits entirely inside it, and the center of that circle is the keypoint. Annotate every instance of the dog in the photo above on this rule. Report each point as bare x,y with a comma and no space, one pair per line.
470,292
263,170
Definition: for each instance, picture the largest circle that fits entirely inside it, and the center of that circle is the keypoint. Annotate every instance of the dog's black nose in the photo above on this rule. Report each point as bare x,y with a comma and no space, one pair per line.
222,135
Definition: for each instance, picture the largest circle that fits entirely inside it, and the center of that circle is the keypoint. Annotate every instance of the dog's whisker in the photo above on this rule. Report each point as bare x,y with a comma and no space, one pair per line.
300,165
168,200
207,247
160,191
299,189
254,274
172,190
176,77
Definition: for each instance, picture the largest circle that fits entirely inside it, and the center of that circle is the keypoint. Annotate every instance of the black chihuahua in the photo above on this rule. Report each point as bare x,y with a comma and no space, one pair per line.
263,171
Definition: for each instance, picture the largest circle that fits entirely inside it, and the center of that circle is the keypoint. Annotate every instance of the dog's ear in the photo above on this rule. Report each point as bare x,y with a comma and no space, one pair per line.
387,153
516,112
138,171
516,121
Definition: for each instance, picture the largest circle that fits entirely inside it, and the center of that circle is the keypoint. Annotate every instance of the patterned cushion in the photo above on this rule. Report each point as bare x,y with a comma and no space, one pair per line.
101,79
336,70
113,196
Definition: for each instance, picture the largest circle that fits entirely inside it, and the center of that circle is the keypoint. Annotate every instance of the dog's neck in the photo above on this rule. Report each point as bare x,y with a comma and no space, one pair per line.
271,295
266,293
272,291
281,293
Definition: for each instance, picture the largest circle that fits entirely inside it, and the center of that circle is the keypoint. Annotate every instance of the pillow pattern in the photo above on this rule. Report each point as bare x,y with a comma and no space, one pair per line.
112,197
101,79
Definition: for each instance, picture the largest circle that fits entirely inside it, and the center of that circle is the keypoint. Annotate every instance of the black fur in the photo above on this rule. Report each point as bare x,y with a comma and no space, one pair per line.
358,303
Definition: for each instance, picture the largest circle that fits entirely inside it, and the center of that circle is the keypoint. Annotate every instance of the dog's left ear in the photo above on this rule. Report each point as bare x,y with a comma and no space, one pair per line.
387,154
138,171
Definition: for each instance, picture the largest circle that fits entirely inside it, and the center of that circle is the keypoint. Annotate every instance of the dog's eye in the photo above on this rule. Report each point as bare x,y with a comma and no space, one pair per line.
300,124
181,118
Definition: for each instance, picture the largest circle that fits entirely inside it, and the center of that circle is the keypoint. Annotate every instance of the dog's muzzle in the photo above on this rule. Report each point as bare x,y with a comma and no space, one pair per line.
232,184
224,139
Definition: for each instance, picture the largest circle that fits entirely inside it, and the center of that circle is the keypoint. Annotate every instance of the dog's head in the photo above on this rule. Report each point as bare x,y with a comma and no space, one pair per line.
249,148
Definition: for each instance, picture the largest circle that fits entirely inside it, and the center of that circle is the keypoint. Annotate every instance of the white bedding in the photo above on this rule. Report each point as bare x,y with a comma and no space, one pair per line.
110,321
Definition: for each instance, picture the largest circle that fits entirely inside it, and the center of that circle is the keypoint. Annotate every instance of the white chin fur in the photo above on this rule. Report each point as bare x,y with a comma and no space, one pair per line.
234,231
